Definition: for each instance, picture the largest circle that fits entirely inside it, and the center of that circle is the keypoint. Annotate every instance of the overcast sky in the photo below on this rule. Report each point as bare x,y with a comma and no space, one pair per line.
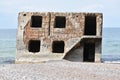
9,9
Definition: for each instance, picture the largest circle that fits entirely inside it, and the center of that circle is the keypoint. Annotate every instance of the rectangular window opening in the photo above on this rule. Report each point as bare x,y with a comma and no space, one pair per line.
36,21
60,22
34,46
89,52
58,47
90,25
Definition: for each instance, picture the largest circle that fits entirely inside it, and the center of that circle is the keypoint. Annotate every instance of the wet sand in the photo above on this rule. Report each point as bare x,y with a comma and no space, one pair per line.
60,70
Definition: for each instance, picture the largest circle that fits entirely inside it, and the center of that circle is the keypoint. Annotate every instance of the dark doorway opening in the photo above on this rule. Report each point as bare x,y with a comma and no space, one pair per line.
89,52
34,46
60,22
36,21
90,25
58,47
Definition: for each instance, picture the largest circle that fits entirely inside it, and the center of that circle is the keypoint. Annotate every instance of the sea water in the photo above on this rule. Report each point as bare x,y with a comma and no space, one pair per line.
7,45
110,45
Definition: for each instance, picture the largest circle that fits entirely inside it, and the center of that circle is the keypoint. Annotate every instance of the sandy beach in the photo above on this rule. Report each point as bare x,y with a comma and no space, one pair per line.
60,70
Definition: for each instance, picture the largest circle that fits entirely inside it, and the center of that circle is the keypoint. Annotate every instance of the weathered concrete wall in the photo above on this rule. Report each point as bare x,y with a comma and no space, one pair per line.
75,54
72,34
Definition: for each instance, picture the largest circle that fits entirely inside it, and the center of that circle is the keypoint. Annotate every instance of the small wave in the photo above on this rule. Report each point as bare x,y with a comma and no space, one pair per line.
7,60
111,59
117,62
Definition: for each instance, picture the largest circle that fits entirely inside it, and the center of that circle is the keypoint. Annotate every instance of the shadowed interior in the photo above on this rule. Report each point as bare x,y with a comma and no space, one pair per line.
36,21
89,52
90,25
60,22
34,46
58,47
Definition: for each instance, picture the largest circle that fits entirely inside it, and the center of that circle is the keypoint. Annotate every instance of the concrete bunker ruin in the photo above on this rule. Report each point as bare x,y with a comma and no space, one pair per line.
56,36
